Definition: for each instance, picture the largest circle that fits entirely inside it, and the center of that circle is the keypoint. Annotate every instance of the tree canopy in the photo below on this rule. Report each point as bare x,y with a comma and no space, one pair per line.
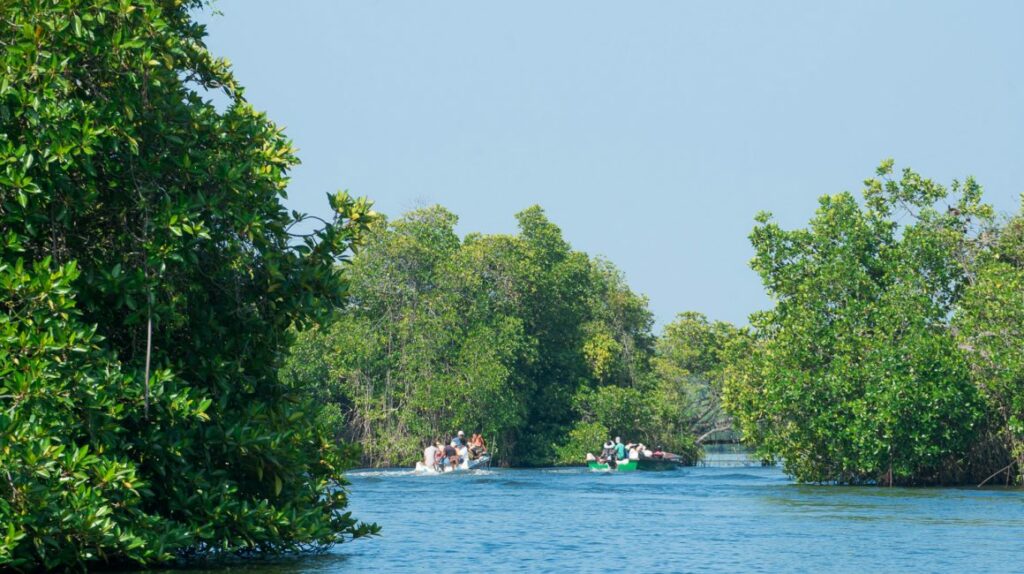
183,373
149,277
875,364
543,349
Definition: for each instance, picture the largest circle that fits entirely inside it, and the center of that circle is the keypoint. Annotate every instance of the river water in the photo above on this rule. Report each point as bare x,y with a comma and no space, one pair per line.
692,520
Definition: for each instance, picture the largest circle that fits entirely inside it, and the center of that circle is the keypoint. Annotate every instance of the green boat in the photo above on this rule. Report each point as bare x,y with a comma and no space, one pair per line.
625,466
634,464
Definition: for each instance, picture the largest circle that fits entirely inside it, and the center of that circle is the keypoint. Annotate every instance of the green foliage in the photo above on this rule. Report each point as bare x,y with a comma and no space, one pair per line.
667,392
426,345
855,376
519,337
625,411
131,205
989,325
691,357
582,438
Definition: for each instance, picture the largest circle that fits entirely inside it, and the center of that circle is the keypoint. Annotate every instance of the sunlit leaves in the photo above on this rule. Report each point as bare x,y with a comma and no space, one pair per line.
989,325
129,201
855,375
495,334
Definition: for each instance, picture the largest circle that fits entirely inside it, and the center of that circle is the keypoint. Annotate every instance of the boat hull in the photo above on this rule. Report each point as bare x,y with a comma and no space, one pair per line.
658,464
482,462
622,466
651,464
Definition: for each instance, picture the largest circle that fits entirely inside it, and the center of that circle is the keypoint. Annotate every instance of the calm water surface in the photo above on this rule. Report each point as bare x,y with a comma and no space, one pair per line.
692,520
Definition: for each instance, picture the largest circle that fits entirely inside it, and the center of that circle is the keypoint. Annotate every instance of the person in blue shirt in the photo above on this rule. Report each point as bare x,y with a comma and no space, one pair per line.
459,440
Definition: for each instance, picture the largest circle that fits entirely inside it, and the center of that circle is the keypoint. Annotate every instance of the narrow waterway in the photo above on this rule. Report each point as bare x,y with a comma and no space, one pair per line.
692,520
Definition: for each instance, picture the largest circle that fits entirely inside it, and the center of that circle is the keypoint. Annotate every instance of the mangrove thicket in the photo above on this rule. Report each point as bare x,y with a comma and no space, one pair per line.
542,348
150,279
893,354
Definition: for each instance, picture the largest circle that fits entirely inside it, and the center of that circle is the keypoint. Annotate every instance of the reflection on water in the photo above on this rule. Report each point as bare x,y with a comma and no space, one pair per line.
698,519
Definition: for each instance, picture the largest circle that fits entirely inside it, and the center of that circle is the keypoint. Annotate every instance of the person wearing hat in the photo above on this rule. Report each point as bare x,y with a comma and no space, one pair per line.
608,453
459,440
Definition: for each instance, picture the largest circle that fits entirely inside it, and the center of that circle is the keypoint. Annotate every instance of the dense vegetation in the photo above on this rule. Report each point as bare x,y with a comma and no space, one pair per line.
893,354
148,280
544,350
152,287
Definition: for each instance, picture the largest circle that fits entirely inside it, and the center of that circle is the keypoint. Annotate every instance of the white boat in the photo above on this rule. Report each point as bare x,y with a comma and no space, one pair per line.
483,462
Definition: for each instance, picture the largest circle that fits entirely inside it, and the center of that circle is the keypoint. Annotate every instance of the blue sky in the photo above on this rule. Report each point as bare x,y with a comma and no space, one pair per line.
651,132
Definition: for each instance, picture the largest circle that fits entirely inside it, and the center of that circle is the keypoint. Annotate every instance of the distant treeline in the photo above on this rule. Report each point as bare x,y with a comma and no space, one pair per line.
543,349
894,353
895,350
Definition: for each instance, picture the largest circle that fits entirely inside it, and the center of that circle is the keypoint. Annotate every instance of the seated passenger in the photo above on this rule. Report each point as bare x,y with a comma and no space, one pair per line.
608,453
430,456
451,456
477,446
459,439
620,449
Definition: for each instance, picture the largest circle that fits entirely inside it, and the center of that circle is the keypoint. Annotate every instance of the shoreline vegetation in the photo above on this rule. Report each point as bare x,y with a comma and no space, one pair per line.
185,377
149,278
894,354
541,348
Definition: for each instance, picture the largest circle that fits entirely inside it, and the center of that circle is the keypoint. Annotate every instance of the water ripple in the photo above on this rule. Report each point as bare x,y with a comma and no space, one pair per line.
707,519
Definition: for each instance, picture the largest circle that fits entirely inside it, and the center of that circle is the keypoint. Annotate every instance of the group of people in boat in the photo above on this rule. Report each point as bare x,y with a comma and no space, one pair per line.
615,451
438,455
